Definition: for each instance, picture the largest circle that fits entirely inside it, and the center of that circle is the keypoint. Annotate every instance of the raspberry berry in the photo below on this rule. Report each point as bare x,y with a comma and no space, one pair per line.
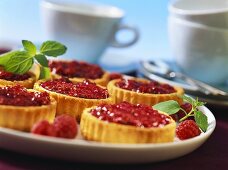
43,128
65,126
180,114
187,129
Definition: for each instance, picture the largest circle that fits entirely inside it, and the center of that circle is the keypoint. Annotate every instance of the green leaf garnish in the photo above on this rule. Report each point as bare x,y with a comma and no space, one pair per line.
29,47
4,58
20,61
44,73
188,99
195,103
42,60
52,48
201,120
169,107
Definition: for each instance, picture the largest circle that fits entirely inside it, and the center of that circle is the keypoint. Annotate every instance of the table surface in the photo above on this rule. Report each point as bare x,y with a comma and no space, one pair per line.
211,155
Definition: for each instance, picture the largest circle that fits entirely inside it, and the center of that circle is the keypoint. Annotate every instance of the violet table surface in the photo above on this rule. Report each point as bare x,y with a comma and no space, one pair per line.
211,155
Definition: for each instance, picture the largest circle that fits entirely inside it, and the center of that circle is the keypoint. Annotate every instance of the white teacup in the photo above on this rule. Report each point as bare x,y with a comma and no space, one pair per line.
209,12
200,51
86,29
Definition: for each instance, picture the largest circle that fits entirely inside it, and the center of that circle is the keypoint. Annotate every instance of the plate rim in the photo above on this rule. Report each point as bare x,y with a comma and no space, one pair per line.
83,143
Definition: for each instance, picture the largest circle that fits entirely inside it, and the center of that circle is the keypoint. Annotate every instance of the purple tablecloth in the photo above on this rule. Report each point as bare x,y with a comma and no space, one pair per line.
211,155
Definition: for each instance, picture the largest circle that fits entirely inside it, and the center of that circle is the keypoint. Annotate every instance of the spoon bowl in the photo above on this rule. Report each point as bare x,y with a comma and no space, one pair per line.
162,69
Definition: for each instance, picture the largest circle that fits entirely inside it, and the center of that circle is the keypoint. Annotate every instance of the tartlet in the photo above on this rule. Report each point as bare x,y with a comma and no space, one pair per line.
142,91
21,108
126,123
27,80
77,71
71,97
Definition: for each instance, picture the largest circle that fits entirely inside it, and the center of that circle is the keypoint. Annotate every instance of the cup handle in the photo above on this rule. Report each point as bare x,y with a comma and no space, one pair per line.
117,44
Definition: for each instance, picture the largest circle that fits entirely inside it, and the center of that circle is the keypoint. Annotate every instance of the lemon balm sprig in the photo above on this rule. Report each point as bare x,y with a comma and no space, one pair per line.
172,107
21,61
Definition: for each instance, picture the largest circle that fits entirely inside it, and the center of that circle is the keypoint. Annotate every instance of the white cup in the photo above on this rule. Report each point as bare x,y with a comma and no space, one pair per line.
209,12
87,29
200,51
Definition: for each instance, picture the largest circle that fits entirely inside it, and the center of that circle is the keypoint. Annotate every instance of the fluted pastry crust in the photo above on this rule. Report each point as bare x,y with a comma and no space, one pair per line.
101,81
23,117
28,83
95,129
71,105
120,94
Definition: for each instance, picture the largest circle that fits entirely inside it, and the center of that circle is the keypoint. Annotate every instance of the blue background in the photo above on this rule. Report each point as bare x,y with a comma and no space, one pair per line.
21,20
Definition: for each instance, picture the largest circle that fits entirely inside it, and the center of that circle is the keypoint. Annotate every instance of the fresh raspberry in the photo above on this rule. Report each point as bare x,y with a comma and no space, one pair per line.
43,128
187,129
65,126
180,114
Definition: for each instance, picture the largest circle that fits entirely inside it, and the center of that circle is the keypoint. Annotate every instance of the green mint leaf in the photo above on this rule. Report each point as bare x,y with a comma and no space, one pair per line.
170,107
201,103
53,48
198,103
29,47
188,99
19,63
201,120
45,73
4,58
42,60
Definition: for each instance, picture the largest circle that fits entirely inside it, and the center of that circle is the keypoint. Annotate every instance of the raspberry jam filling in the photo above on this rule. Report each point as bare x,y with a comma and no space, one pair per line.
76,69
152,87
85,89
113,76
13,77
19,96
4,50
128,114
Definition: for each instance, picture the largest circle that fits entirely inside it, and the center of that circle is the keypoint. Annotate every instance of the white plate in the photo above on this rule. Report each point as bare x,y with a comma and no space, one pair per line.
85,151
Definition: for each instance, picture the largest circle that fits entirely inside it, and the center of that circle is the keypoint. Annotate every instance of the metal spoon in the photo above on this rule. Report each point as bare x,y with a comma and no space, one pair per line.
160,68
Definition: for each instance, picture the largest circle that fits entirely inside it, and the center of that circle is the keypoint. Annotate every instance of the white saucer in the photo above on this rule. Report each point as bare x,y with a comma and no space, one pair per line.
84,151
115,62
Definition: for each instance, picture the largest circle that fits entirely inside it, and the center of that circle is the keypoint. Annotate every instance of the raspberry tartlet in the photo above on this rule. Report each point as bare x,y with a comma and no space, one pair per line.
78,71
126,123
21,108
142,91
71,97
27,80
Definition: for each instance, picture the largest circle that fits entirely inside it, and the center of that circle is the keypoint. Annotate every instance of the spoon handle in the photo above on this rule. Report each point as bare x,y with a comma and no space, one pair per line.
192,87
208,89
